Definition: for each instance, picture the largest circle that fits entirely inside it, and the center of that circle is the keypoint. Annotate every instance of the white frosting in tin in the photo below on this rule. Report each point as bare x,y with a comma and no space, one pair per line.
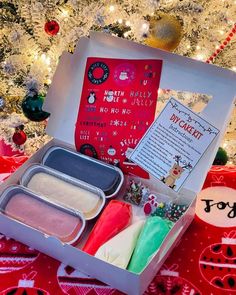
57,190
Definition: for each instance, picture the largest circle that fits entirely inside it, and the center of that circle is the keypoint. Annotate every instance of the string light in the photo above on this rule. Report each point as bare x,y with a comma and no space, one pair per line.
127,23
126,34
120,20
45,59
65,13
221,32
144,26
188,46
198,47
200,57
112,8
43,56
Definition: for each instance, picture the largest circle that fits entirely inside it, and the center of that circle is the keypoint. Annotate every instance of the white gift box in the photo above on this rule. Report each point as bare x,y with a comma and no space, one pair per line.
178,73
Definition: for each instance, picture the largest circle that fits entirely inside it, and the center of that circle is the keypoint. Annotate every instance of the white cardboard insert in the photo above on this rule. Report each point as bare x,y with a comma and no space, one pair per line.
178,73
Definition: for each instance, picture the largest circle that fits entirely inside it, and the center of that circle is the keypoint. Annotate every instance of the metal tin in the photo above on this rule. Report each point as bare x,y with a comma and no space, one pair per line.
36,168
95,172
10,191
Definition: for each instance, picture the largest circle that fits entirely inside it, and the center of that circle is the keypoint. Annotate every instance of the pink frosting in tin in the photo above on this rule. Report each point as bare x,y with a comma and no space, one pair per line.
44,217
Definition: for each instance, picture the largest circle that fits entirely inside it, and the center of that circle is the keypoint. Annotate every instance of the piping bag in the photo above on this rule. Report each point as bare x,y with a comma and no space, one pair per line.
115,217
154,231
119,249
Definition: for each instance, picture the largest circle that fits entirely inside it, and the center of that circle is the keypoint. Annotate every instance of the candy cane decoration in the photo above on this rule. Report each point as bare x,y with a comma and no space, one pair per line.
223,44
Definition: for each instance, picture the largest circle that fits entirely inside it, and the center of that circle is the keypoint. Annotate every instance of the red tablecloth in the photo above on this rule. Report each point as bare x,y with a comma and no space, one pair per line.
204,261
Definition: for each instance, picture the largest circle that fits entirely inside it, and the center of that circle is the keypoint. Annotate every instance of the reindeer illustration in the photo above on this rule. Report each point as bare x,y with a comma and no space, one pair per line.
175,172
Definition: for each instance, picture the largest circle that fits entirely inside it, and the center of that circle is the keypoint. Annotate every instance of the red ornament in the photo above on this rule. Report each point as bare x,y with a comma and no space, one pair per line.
169,282
14,255
19,137
25,286
51,27
74,282
218,261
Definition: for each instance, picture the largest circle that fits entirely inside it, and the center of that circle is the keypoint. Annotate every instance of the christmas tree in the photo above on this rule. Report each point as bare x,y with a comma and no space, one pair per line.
35,33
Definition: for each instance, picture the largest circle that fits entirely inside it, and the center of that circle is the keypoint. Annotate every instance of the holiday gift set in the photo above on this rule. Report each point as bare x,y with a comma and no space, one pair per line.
85,212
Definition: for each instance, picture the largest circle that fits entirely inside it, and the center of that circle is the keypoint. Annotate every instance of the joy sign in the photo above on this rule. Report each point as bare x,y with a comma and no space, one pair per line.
217,206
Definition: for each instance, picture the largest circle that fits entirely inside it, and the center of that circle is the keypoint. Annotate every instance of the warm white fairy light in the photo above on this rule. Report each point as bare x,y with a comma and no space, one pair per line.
159,91
200,57
188,46
198,47
126,34
233,69
48,61
112,8
45,59
43,56
144,26
65,13
120,20
221,32
127,23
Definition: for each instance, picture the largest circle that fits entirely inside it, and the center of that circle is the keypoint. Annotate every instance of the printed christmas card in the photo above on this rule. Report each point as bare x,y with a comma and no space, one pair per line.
117,106
173,144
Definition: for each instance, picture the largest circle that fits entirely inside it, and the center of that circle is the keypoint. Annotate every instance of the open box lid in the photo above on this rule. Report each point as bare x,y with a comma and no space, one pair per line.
178,73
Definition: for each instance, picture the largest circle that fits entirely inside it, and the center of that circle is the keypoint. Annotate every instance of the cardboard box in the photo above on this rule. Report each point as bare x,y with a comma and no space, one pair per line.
62,102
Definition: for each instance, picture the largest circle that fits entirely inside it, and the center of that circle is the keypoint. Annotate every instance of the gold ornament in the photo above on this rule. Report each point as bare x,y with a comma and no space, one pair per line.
164,33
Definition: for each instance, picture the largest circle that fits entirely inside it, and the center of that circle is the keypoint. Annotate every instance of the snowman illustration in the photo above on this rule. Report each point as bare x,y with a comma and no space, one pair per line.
110,97
123,76
92,97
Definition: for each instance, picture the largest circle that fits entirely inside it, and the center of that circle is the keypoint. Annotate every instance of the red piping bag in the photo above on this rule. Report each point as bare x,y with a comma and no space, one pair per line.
115,217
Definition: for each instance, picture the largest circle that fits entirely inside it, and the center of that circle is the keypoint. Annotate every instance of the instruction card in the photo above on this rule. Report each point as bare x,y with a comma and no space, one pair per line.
173,144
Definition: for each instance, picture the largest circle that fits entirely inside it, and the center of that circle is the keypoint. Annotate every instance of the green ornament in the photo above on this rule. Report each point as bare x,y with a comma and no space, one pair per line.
221,157
151,237
32,107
